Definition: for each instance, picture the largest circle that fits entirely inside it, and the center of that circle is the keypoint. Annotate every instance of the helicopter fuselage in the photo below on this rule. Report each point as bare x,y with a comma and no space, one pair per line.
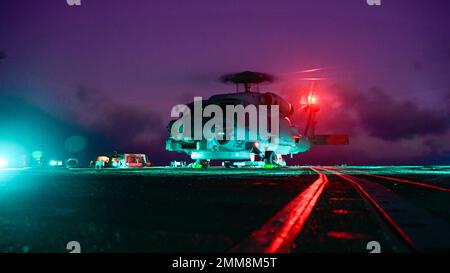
285,139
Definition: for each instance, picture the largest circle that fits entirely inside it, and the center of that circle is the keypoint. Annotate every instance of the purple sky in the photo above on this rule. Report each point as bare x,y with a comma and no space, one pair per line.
387,68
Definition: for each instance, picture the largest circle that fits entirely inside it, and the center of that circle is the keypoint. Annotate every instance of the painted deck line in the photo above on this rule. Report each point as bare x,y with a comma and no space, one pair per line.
280,232
397,180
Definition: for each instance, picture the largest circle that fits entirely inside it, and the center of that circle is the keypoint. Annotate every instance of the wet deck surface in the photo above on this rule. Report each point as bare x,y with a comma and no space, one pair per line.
186,210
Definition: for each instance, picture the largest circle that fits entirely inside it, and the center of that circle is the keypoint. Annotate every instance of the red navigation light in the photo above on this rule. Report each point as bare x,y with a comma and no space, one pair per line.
312,99
256,144
309,102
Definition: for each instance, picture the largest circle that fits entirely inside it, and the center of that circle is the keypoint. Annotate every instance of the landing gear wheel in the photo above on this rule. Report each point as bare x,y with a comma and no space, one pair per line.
228,164
204,163
270,158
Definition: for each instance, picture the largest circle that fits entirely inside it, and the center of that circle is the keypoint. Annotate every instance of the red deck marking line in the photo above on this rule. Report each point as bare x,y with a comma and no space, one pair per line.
396,227
400,180
279,233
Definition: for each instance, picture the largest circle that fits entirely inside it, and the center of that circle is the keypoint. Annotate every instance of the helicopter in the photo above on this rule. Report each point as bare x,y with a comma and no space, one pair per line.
255,148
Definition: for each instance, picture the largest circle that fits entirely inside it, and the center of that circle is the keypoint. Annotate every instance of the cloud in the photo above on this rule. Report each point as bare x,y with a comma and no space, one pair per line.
124,127
106,125
35,128
383,116
447,99
130,126
382,128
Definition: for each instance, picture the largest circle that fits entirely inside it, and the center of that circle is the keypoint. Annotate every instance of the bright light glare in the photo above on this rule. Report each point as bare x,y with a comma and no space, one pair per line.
312,99
3,162
37,155
56,163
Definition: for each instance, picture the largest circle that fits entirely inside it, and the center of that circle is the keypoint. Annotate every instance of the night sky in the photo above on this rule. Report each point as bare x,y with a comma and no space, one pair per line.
103,76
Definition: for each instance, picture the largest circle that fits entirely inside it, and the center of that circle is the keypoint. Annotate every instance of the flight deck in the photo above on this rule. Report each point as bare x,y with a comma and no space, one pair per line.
308,209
